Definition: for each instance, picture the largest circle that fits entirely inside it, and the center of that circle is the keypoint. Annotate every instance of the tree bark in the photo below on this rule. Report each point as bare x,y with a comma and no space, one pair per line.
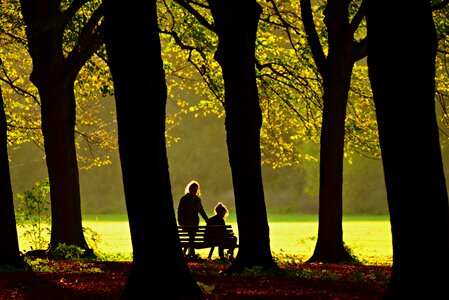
134,51
9,251
236,25
401,61
54,79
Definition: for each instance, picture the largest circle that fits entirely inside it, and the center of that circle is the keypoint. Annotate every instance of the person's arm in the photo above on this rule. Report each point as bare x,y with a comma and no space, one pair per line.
181,211
204,215
202,212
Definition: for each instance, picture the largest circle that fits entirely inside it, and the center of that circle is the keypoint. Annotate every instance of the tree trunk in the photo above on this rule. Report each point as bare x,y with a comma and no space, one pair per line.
54,79
401,61
159,269
236,24
336,80
9,251
58,125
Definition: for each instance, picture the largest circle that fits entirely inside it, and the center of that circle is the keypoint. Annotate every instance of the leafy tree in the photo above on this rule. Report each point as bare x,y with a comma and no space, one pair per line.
292,85
20,96
9,251
54,74
409,140
93,136
144,110
236,30
290,89
355,126
336,70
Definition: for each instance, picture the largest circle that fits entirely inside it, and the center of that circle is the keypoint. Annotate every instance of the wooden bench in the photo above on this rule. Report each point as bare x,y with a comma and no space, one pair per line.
207,237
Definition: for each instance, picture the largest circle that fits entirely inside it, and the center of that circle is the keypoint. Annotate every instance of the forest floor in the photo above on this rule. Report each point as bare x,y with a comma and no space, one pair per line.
105,280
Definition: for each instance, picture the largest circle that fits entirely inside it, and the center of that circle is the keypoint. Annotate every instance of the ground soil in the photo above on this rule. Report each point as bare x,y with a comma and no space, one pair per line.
106,280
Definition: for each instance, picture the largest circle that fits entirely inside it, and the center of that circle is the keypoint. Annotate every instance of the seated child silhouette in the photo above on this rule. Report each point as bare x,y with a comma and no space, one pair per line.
213,234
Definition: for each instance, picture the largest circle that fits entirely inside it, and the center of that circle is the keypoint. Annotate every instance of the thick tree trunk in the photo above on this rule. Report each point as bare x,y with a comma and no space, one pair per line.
236,24
58,125
9,251
159,271
54,80
336,80
401,60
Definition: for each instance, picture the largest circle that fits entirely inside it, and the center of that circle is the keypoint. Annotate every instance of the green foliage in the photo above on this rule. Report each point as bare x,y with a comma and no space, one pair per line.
206,288
290,86
92,238
114,256
33,215
67,252
355,259
441,21
45,265
41,265
19,95
95,132
287,261
34,218
329,275
308,274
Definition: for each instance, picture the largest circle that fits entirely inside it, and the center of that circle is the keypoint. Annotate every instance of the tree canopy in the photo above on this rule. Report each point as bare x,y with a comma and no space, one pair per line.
289,83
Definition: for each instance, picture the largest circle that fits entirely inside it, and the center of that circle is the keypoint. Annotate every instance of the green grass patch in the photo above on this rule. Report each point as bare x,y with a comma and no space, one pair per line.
291,237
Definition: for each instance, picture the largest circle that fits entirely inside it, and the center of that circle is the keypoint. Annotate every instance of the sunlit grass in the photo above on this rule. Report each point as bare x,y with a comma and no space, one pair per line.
291,236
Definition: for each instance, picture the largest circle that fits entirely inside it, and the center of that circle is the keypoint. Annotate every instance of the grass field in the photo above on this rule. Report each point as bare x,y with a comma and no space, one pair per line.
291,236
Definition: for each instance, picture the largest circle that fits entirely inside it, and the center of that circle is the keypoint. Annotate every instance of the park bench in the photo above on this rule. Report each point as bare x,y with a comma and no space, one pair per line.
213,236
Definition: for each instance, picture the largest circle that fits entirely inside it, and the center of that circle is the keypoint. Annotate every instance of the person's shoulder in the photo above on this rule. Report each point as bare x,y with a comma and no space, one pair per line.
183,200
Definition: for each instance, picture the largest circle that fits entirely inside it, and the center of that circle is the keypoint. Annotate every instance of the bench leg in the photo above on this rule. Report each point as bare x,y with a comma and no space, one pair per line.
211,251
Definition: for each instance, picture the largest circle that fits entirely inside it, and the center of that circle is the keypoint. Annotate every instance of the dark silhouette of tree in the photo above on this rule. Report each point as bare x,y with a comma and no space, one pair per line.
236,26
401,61
336,71
134,52
54,73
9,251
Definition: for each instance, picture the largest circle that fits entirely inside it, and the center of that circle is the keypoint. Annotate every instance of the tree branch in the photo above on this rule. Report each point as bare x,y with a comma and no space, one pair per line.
196,14
312,36
357,19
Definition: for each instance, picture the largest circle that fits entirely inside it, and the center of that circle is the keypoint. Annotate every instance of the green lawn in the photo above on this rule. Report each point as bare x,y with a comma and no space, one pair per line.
291,236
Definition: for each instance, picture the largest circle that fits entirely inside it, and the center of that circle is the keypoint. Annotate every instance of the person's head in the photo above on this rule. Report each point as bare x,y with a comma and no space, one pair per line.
221,210
193,187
